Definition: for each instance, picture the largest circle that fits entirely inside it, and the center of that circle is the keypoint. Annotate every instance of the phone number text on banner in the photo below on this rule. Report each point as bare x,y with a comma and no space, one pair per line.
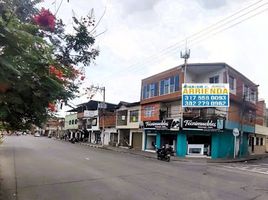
205,95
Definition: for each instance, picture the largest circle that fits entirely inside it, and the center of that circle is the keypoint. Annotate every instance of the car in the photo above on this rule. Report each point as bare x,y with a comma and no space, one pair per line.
37,134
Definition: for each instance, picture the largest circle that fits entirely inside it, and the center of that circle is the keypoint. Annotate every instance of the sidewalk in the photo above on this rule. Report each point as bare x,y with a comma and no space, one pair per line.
145,154
152,155
248,158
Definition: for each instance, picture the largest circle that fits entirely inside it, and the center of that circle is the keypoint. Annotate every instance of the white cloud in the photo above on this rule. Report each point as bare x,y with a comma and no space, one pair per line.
138,29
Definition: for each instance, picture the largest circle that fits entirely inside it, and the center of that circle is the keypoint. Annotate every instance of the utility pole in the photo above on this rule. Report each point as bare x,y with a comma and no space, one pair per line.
185,55
242,123
103,122
242,113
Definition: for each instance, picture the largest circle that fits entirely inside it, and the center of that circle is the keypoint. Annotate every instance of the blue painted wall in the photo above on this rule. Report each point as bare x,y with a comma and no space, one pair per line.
232,124
222,145
158,140
181,144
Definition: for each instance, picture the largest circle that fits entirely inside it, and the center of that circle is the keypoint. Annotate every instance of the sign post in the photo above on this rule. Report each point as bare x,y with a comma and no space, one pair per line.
235,133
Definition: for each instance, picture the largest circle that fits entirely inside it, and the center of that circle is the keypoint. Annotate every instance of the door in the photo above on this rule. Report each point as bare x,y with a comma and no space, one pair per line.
137,140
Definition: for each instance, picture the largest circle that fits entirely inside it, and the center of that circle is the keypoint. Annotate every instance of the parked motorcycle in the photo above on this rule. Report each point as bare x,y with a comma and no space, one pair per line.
164,153
73,140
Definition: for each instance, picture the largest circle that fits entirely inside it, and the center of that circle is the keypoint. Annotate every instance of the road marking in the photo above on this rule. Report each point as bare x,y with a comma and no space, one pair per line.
255,169
87,158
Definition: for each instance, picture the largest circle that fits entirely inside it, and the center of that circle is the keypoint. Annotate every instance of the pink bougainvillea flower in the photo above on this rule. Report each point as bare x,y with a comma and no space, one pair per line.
45,19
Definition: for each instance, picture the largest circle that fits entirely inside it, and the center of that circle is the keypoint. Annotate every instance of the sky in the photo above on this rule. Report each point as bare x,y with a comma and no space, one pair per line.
145,37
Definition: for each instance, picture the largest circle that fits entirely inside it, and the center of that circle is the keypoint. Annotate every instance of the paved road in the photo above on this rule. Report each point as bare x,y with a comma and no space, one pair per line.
46,169
254,166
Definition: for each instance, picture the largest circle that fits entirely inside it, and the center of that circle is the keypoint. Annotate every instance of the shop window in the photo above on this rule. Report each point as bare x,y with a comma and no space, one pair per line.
151,141
134,115
214,79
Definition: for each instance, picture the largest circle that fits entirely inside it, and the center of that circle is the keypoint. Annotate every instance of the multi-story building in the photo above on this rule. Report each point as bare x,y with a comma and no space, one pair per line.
71,125
54,127
128,125
92,120
259,141
166,123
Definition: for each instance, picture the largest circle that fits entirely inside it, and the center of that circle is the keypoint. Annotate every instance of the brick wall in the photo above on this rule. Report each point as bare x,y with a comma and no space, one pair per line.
260,113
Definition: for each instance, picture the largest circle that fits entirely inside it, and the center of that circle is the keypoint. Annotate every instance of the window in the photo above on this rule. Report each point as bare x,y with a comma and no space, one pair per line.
246,92
214,79
75,122
257,141
70,122
122,117
169,85
166,86
134,115
177,83
153,90
148,111
232,83
252,95
162,83
94,122
172,84
149,90
261,141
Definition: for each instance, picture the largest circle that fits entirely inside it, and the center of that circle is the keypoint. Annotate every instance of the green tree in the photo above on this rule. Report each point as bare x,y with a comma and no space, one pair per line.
38,61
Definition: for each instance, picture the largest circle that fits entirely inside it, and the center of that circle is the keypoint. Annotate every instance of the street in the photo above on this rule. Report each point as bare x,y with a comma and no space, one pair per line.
39,168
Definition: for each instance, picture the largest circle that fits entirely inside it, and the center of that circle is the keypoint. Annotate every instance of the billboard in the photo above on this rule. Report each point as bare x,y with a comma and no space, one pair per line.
205,95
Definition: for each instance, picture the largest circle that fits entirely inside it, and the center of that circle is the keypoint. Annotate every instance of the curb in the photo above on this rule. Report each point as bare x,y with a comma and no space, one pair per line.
257,157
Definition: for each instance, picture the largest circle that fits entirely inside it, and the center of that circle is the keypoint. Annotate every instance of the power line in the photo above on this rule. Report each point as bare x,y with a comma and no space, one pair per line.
203,31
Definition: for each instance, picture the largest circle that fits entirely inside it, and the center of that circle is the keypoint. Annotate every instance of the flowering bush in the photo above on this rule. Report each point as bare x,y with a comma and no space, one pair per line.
45,19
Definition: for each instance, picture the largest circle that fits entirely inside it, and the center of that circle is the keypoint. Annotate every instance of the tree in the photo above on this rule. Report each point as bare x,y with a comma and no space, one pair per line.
39,61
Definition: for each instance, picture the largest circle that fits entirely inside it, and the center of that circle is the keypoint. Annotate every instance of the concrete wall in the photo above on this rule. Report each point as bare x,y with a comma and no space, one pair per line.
131,125
67,119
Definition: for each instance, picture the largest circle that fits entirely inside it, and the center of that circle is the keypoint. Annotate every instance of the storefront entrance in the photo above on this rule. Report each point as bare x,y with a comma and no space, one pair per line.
137,140
169,140
150,141
199,145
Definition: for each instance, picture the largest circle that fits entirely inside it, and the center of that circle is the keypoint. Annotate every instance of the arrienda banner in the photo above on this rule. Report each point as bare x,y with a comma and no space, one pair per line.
205,95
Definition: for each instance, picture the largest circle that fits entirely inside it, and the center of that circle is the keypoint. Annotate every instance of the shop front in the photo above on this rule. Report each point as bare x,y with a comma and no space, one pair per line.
161,133
200,137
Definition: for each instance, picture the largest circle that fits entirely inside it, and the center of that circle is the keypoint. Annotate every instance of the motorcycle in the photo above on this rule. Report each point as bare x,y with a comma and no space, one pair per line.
73,140
164,153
